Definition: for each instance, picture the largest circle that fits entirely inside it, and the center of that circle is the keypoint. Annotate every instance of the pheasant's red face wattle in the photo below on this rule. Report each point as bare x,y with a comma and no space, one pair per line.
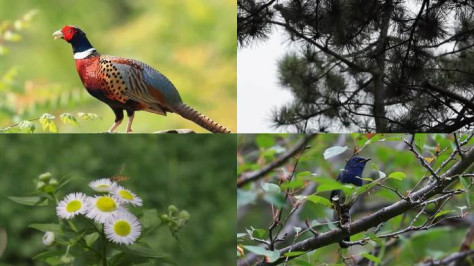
68,32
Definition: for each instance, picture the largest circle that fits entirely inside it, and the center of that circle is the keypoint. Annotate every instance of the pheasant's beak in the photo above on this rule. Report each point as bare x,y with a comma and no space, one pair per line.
58,35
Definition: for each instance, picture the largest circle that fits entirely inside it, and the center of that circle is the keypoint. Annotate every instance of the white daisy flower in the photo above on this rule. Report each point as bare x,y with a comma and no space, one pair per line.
103,207
72,205
102,185
48,238
126,196
123,228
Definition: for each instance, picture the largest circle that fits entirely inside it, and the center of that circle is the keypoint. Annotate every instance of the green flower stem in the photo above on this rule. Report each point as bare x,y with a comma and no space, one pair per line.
104,248
60,221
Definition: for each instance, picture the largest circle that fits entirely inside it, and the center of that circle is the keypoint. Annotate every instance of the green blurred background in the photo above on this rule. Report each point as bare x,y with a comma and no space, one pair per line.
192,42
193,172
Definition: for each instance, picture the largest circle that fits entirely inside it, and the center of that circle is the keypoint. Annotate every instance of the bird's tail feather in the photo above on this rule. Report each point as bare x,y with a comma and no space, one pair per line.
198,118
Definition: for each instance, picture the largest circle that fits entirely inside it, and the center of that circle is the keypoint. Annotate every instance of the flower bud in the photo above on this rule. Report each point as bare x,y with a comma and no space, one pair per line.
49,238
45,177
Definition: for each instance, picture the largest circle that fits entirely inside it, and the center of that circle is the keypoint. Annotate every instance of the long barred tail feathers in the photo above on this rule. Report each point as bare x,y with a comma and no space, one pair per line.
200,119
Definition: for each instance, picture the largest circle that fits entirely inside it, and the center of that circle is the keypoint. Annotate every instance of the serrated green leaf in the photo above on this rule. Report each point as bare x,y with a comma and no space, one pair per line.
30,201
397,175
272,256
334,151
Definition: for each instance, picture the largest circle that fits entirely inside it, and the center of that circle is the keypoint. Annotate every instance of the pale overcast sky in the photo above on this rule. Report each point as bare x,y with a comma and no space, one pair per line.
258,92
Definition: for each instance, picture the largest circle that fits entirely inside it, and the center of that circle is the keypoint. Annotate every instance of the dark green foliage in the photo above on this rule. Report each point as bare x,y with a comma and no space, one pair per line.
386,66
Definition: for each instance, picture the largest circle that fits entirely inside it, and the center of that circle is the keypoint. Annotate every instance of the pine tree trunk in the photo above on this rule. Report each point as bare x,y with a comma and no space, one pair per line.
379,87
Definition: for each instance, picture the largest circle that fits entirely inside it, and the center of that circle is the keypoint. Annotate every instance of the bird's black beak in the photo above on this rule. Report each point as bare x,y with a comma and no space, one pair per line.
366,160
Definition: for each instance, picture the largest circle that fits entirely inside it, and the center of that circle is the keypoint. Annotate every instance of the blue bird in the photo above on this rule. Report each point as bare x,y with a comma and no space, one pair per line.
351,174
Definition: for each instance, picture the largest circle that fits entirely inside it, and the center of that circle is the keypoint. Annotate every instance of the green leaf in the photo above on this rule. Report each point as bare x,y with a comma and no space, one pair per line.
334,151
145,252
91,238
265,140
275,199
47,123
240,235
441,213
52,257
303,174
294,254
55,228
68,119
245,197
292,184
371,257
466,188
271,188
329,184
30,201
420,140
126,259
397,175
258,233
27,126
271,255
319,200
365,188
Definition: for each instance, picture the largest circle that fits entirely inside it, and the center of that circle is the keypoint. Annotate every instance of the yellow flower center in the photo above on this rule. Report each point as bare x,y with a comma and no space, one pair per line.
73,206
106,204
125,195
122,228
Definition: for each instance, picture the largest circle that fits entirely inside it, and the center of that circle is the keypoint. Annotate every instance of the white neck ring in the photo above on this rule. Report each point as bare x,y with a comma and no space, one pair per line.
84,54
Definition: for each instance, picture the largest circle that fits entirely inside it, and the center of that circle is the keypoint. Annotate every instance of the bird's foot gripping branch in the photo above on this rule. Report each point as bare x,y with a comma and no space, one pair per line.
102,227
416,188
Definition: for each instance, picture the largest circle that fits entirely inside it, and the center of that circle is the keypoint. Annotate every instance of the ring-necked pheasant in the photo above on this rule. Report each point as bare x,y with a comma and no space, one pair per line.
127,84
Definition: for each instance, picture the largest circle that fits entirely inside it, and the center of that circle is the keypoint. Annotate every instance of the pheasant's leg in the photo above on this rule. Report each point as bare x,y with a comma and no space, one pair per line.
114,126
131,115
118,119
